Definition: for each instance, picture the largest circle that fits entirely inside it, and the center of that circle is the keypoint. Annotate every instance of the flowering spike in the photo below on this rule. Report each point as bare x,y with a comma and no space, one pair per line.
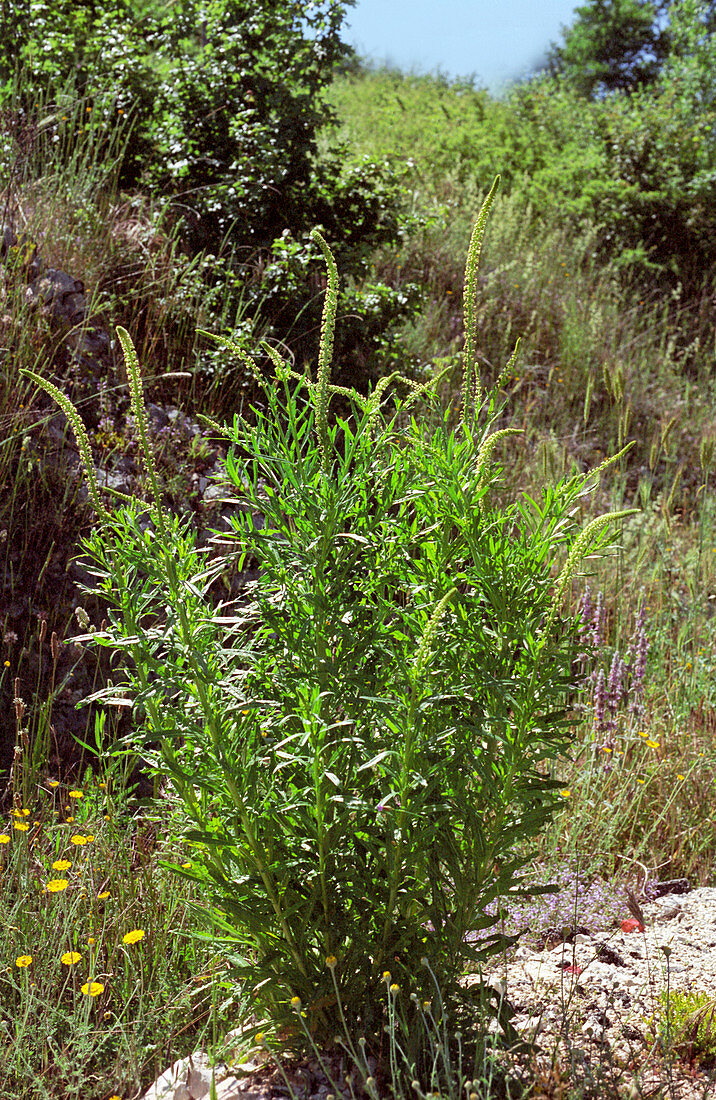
81,437
580,548
469,355
325,354
139,409
429,633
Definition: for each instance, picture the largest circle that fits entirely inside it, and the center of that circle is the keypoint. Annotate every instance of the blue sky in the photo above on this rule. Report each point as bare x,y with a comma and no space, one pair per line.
497,40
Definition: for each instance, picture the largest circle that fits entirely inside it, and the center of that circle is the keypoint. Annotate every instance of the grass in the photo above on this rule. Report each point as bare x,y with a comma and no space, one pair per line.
102,978
603,361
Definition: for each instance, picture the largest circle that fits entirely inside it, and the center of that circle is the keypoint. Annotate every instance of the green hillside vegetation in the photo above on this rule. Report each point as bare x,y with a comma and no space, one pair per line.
455,636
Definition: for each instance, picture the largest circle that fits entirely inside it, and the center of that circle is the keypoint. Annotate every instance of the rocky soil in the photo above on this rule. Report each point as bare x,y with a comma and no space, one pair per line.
596,998
588,1004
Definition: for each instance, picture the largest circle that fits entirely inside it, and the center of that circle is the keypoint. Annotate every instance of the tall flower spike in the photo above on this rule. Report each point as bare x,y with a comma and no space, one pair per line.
283,371
136,395
508,368
80,434
469,355
426,642
483,455
641,650
325,353
584,610
600,702
581,547
597,634
235,349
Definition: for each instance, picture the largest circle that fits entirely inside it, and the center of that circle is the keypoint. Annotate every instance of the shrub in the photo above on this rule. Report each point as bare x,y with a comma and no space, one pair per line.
363,744
224,101
639,167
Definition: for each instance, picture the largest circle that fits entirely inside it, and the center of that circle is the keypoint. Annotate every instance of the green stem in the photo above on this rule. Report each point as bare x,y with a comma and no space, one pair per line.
421,659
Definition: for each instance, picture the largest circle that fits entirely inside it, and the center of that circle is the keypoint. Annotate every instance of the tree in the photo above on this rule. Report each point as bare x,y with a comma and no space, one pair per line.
614,45
690,69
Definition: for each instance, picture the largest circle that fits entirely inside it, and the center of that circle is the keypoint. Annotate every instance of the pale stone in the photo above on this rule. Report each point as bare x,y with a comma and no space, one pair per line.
188,1079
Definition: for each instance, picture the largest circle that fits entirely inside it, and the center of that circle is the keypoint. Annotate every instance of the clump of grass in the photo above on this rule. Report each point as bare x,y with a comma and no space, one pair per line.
640,775
687,1022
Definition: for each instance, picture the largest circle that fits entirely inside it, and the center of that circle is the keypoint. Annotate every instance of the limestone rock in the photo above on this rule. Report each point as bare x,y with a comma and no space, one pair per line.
190,1079
60,296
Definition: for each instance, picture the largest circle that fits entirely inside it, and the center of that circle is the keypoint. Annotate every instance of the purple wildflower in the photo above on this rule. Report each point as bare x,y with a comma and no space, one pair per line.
600,702
598,622
641,649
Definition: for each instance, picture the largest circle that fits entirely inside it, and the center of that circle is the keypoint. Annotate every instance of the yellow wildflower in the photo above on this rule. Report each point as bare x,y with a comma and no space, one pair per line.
92,989
56,885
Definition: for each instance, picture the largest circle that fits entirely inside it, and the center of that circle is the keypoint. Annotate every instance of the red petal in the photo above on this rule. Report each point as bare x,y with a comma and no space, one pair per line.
632,925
